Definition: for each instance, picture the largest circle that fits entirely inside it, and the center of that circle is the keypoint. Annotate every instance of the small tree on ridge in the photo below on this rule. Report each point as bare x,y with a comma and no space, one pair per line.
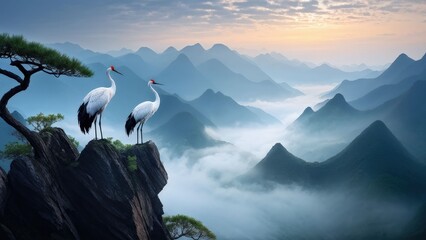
30,58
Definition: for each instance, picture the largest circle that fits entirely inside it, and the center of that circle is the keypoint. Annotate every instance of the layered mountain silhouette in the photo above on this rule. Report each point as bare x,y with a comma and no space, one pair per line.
375,163
218,68
404,115
282,69
238,63
120,52
183,78
66,92
182,132
224,111
240,88
334,114
387,92
402,68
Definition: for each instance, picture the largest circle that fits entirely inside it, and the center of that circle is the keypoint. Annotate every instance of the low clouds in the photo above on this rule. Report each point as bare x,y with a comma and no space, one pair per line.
198,187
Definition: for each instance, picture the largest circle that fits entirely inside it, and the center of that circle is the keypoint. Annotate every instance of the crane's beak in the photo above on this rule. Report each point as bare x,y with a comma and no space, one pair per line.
117,72
158,83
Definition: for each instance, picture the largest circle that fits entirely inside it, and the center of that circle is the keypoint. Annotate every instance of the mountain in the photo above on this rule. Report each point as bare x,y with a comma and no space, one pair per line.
239,87
335,111
305,116
172,105
279,166
157,61
121,52
137,65
377,159
403,67
374,183
238,63
406,115
183,131
73,50
294,91
131,60
374,163
264,117
223,110
295,72
386,92
183,78
146,53
416,228
402,114
68,93
282,69
318,135
196,53
98,194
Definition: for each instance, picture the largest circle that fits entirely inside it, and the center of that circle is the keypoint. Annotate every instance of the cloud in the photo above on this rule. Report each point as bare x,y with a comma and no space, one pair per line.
198,187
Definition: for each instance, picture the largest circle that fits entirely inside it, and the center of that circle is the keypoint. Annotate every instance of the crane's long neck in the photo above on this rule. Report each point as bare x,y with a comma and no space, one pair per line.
113,87
157,97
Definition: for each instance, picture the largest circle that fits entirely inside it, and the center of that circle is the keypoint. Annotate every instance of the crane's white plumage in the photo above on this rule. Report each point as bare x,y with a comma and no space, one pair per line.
142,112
97,100
94,104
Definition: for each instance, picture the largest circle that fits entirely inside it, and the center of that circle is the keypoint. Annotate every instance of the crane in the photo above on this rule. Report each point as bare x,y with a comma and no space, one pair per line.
94,103
142,112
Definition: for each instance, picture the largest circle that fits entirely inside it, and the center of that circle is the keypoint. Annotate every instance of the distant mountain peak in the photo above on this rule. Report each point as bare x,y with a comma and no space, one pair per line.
215,62
376,138
338,97
220,47
306,114
182,59
170,50
402,56
278,148
278,153
211,95
145,52
308,110
278,159
208,92
402,59
195,47
338,102
324,65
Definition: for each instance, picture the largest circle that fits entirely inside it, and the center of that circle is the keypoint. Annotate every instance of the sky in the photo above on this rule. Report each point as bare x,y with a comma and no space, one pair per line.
339,32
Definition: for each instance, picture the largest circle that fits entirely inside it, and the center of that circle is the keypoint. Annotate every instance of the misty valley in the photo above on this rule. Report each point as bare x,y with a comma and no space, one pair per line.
261,147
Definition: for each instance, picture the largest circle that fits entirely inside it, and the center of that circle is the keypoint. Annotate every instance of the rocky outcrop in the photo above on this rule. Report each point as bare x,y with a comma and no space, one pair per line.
94,195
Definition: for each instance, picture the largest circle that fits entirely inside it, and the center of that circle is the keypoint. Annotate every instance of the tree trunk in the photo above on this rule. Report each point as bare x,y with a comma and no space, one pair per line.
40,150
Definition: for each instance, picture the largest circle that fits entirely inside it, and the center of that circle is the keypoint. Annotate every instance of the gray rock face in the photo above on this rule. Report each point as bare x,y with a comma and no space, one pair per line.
91,196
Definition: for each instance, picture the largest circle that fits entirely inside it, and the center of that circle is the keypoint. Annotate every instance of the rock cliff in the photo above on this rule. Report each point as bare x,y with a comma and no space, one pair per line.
98,194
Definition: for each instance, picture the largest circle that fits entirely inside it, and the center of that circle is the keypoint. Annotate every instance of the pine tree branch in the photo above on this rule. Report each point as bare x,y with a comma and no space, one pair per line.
11,75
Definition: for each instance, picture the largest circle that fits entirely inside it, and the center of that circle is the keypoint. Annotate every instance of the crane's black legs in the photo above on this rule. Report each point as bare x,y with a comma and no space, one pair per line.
96,131
100,125
141,132
137,133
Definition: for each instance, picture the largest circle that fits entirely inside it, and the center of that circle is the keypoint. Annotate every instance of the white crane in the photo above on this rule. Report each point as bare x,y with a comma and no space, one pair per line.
94,103
142,112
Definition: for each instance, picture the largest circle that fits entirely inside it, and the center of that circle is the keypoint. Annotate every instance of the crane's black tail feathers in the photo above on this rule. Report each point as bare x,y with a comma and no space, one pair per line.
130,124
84,119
